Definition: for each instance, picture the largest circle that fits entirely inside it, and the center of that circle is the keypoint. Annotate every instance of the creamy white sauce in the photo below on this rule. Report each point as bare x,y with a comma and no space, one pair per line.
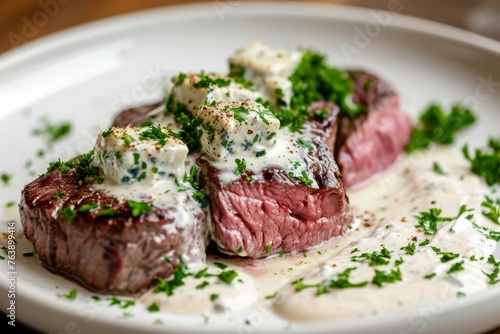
385,213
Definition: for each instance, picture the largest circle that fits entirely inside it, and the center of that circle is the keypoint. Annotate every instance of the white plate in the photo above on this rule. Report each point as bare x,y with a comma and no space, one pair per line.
87,74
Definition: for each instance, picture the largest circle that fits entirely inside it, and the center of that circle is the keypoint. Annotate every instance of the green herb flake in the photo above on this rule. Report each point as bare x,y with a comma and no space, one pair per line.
428,220
109,212
70,295
430,276
220,265
138,208
437,168
106,133
342,281
424,243
459,266
202,285
435,125
241,165
88,207
168,286
382,277
271,296
409,249
214,296
485,163
5,178
305,144
268,248
10,204
492,209
154,307
68,213
58,195
445,256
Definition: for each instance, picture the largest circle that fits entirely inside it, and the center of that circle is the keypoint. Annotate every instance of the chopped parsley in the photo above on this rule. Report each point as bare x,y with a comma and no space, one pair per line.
70,295
180,79
437,168
154,307
445,256
122,303
58,195
127,140
88,207
10,204
52,132
424,243
382,277
214,296
271,296
490,234
305,144
106,133
428,220
63,166
342,281
154,133
138,208
169,286
220,265
494,275
492,209
374,258
240,114
486,163
409,249
68,213
206,81
85,169
109,212
438,127
260,153
430,276
241,165
459,266
268,248
202,285
314,80
5,178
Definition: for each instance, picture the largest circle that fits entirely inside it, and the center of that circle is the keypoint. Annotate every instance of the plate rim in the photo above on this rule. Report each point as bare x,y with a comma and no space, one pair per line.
63,38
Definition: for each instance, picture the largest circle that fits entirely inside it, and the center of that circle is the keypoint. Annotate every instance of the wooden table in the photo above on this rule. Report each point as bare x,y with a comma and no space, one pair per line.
22,21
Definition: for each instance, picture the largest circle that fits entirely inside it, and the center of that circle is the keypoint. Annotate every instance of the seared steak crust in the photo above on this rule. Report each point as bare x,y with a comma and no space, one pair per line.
117,254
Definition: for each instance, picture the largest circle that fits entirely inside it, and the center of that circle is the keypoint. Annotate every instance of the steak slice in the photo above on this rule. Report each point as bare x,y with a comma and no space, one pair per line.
372,141
258,218
118,254
135,116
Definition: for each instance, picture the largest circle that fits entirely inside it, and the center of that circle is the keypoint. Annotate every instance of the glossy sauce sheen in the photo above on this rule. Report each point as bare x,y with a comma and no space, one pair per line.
385,211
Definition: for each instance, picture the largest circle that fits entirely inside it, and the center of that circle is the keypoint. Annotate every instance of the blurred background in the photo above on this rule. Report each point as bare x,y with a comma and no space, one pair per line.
22,21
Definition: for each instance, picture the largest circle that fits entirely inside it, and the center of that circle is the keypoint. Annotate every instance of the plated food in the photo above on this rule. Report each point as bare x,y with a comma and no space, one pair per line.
257,162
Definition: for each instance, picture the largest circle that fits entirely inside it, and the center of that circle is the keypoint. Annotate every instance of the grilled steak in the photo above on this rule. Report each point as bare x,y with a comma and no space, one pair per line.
117,254
257,218
135,116
372,141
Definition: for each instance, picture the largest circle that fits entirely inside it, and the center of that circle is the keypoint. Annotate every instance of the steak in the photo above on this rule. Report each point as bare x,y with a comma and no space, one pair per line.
135,116
261,217
372,141
118,254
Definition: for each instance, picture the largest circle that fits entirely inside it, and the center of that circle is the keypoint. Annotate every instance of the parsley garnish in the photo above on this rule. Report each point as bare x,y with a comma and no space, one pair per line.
214,296
428,220
154,307
169,286
241,165
109,212
52,132
424,243
84,167
106,133
429,276
260,153
127,140
180,79
305,144
88,207
202,285
138,208
271,296
220,265
437,168
382,277
492,209
342,281
409,249
63,166
122,303
240,113
268,248
438,127
445,256
68,213
58,195
494,275
314,80
490,234
459,266
70,295
154,133
486,163
374,258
